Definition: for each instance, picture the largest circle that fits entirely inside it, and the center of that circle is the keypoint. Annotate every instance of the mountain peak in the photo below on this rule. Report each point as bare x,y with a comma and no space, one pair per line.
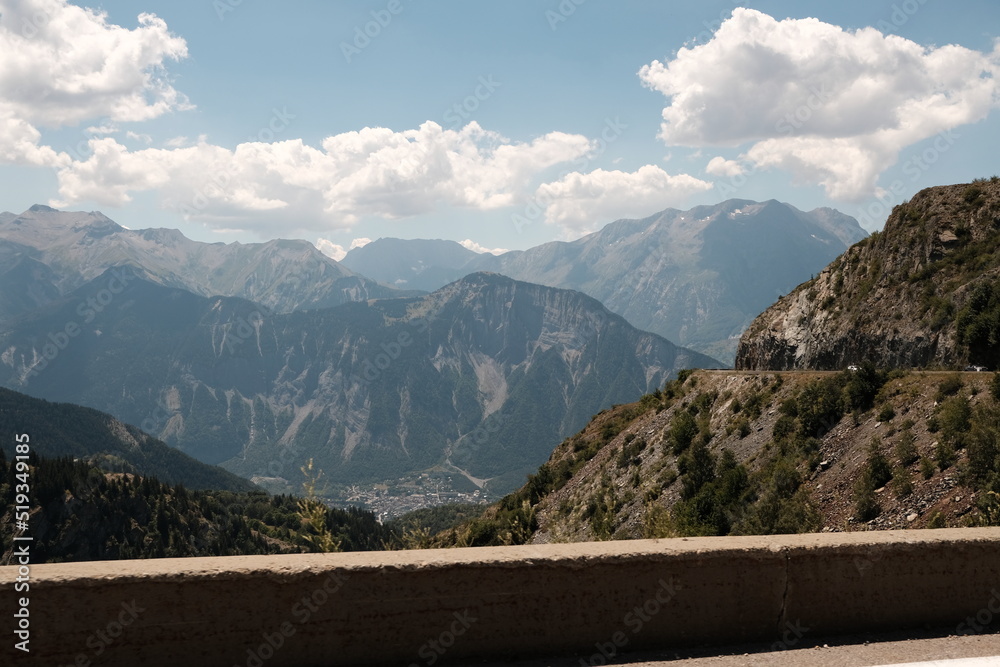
42,208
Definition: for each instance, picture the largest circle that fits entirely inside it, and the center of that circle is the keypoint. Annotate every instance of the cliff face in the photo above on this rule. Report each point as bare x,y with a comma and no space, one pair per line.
916,294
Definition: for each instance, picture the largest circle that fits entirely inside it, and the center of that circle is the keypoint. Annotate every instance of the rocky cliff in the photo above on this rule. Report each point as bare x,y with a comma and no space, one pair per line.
925,292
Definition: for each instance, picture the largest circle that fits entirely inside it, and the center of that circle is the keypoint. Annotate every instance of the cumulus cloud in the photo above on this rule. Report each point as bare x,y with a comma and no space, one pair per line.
720,166
61,65
370,172
581,203
475,247
834,107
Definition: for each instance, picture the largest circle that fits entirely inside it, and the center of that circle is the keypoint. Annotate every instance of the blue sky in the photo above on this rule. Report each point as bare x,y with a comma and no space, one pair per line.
244,120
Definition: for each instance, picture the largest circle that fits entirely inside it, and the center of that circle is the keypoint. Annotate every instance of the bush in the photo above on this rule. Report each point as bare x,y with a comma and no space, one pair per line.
944,454
682,432
984,447
995,387
906,449
866,507
790,408
783,427
862,386
901,484
886,413
954,418
926,467
950,386
877,469
819,407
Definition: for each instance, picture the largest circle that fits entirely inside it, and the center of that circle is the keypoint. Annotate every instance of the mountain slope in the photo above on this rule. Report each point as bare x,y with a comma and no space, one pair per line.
283,275
724,452
26,282
696,277
923,292
481,376
62,429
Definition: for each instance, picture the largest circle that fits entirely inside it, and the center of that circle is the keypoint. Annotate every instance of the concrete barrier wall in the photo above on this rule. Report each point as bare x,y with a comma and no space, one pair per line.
425,607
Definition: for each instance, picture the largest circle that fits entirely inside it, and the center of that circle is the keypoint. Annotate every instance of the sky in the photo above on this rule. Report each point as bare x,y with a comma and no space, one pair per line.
501,125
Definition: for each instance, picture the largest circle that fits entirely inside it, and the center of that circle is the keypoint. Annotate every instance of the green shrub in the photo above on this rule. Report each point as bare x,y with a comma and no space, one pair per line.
682,431
901,484
866,506
950,386
926,467
783,427
944,454
954,418
790,408
886,413
906,449
877,469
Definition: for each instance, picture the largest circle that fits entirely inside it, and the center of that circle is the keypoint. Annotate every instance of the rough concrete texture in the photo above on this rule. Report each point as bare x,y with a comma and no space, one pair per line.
423,607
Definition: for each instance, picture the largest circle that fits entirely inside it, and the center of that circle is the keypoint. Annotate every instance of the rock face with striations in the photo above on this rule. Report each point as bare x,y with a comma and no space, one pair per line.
925,292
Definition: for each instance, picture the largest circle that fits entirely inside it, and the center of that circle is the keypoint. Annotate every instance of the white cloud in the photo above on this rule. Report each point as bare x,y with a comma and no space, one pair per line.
331,249
135,136
832,106
337,251
475,247
581,203
61,65
720,166
371,172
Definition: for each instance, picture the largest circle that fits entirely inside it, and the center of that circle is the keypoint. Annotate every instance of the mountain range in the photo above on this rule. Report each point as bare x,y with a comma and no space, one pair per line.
261,357
481,376
45,253
695,277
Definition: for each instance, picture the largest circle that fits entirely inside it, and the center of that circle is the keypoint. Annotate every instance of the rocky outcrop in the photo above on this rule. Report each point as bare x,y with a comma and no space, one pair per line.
894,299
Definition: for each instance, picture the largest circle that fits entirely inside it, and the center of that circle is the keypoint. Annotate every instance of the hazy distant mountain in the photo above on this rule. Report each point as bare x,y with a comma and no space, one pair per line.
696,277
283,275
486,374
416,264
25,283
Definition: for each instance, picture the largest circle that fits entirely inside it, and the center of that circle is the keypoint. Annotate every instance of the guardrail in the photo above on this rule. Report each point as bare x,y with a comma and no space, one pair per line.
593,600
